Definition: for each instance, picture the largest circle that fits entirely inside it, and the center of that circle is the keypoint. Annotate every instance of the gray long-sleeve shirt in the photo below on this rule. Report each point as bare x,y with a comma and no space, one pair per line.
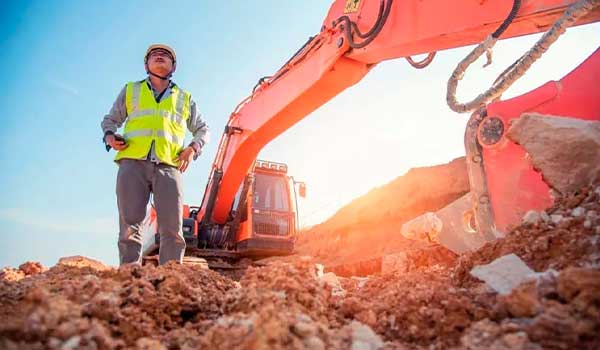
195,124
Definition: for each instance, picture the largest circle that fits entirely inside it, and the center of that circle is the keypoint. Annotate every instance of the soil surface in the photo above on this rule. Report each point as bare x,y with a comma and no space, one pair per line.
433,303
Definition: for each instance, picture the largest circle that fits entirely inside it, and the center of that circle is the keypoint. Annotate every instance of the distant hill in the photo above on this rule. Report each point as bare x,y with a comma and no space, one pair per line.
369,226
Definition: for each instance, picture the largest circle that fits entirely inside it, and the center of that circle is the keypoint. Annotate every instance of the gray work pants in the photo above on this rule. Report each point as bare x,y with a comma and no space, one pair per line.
135,181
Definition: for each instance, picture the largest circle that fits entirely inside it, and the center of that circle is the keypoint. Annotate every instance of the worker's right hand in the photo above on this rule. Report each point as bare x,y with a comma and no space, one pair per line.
112,141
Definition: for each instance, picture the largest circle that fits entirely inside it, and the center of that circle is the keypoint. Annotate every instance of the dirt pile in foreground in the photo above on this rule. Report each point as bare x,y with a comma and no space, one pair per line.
430,303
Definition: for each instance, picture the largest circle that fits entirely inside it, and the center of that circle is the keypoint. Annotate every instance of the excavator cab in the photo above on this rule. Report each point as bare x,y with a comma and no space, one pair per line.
269,225
263,220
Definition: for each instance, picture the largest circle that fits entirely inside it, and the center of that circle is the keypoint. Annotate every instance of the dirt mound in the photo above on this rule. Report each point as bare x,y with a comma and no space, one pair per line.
431,302
85,306
370,225
568,234
29,268
89,306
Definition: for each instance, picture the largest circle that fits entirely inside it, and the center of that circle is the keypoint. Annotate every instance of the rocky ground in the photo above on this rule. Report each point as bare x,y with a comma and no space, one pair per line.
432,302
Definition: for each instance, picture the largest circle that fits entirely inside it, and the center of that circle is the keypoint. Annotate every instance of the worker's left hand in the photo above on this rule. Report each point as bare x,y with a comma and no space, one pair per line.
185,157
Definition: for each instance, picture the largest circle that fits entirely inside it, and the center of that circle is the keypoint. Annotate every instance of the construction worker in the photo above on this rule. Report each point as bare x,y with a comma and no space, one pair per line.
151,154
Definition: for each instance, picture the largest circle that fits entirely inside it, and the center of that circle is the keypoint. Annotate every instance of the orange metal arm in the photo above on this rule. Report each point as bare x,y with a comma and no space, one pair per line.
327,65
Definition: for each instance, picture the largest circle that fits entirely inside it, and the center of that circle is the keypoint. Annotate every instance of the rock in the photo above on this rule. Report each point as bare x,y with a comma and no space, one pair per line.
577,212
32,268
504,273
71,343
518,340
363,337
304,327
532,217
314,343
82,261
587,224
149,344
565,150
319,268
331,280
556,218
426,227
11,274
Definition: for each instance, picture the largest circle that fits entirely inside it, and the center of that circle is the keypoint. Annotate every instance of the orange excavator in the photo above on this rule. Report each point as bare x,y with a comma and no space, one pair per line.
249,207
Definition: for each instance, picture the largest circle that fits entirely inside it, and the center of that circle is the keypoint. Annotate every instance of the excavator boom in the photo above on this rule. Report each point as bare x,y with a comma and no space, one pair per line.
355,36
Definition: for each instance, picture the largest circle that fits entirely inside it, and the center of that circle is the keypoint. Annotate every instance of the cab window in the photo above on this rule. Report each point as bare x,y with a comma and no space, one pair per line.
270,193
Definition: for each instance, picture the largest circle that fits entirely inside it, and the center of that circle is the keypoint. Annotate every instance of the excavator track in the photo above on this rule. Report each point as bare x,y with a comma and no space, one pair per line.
227,263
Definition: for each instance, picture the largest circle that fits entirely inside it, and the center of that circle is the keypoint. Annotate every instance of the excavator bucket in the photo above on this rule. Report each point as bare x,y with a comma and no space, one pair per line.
451,226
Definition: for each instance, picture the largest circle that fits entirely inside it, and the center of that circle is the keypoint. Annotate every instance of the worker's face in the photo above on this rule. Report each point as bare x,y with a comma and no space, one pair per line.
160,62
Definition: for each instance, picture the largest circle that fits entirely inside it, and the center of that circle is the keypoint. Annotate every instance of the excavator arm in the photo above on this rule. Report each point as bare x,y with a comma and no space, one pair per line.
355,36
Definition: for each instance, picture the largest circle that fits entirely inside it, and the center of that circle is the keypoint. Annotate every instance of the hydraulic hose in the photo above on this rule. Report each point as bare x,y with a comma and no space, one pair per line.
372,30
517,69
371,34
508,20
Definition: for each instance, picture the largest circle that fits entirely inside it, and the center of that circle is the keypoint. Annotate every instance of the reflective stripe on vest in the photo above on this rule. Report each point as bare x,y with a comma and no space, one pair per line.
136,133
174,117
149,132
174,139
148,121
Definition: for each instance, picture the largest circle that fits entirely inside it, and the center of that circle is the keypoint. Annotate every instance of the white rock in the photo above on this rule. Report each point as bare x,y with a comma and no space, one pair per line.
332,280
556,218
531,217
504,273
545,216
71,343
577,212
280,294
304,329
314,343
363,337
587,224
320,269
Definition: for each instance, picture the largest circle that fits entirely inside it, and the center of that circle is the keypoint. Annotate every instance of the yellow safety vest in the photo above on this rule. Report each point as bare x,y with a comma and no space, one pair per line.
148,121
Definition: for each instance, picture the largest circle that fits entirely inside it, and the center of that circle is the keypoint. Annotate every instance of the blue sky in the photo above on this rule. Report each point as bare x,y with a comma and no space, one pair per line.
67,60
